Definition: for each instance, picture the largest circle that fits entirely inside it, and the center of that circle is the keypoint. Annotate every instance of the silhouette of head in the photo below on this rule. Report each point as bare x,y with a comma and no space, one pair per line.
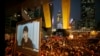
25,32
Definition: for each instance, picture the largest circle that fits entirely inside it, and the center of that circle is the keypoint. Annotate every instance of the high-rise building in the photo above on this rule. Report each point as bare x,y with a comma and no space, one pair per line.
88,13
59,20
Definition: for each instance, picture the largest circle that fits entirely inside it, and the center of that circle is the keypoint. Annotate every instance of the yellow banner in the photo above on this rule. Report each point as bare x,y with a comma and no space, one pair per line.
46,11
65,13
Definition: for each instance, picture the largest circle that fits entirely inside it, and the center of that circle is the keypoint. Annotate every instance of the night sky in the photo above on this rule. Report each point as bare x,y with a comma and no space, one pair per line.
97,11
56,8
75,11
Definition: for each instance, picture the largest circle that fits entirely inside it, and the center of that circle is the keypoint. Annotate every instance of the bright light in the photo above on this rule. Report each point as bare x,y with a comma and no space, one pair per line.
71,36
69,27
53,30
71,20
93,32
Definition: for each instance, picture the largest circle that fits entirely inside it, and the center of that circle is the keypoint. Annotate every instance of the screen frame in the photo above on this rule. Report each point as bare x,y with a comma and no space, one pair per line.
25,22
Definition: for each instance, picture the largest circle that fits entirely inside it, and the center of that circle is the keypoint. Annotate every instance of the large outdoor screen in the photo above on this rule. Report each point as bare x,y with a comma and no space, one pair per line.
28,36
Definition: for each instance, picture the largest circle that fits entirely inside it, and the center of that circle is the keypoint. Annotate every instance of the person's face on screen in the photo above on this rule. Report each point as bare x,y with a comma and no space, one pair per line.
25,34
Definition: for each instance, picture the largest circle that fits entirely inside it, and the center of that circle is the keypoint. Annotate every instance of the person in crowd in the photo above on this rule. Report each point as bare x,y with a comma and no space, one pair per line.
8,48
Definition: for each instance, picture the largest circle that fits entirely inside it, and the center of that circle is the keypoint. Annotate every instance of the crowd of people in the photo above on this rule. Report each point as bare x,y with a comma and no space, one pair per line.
9,41
57,45
62,44
9,44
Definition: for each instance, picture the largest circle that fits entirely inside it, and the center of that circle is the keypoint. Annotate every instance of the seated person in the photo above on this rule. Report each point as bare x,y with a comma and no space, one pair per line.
26,42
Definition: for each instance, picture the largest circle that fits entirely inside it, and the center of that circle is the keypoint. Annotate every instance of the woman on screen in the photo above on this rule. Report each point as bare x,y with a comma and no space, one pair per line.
26,42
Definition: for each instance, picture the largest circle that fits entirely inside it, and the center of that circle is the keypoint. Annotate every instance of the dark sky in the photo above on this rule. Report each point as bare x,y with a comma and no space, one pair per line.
97,12
74,12
56,8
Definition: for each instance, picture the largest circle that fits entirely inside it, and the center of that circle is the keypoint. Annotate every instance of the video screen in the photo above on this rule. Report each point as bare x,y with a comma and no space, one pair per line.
28,35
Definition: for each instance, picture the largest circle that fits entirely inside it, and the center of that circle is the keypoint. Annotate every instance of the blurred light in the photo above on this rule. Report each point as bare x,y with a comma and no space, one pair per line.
71,20
46,36
18,15
53,30
69,27
30,18
51,4
80,35
93,33
15,15
71,36
25,11
53,20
